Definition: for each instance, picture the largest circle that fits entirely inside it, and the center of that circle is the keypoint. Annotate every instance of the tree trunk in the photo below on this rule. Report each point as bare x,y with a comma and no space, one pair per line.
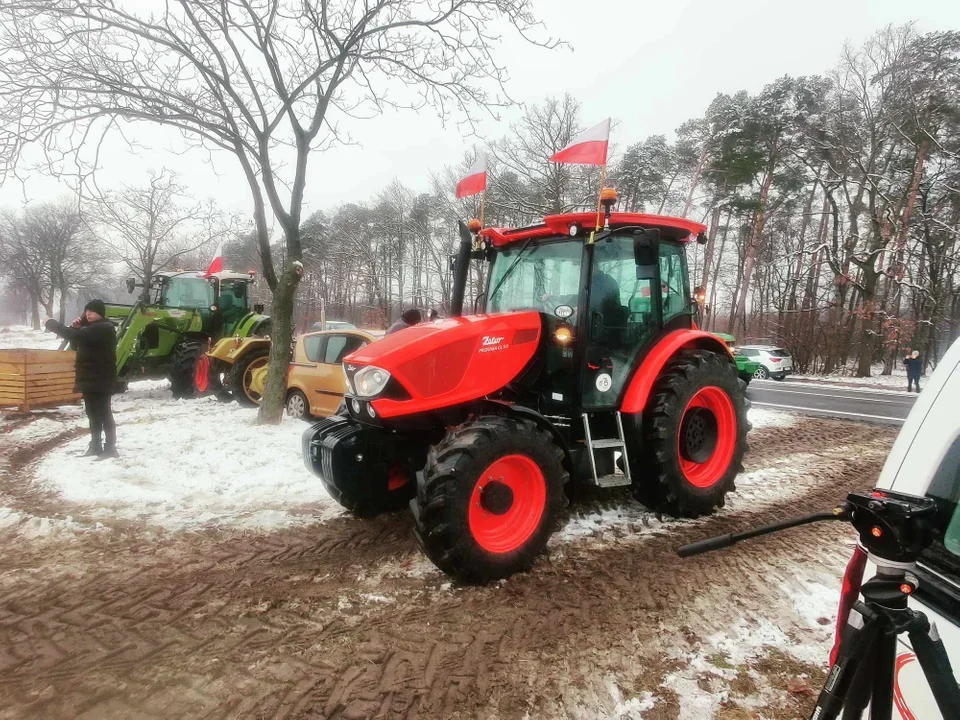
35,313
281,336
759,221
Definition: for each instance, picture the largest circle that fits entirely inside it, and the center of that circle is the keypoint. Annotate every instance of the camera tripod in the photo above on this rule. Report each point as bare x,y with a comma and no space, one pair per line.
894,529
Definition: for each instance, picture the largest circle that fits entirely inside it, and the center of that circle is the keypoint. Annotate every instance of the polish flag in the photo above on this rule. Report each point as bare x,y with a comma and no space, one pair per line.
216,265
475,181
587,148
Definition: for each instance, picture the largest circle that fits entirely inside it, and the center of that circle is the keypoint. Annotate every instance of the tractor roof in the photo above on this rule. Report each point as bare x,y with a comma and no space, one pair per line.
672,227
224,275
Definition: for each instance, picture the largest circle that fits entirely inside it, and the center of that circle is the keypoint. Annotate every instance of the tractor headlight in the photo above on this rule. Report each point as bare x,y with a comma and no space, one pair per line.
370,381
349,381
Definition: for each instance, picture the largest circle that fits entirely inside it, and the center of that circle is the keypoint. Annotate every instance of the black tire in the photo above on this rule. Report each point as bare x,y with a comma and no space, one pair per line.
297,406
445,495
238,371
183,364
761,373
672,429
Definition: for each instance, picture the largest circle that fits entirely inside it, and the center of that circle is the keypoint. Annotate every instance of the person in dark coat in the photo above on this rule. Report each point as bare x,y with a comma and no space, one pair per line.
409,318
914,366
95,341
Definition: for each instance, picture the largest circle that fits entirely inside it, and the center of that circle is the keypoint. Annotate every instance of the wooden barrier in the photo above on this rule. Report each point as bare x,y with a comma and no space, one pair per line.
36,378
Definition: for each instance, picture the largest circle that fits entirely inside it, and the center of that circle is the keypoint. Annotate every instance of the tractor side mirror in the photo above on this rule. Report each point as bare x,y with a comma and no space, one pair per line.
131,284
646,253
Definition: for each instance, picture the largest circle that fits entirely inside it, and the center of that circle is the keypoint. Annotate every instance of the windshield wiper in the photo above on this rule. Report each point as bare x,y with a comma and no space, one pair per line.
504,277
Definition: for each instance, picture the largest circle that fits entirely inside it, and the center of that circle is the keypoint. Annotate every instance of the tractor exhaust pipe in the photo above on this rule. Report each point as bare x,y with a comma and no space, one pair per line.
461,268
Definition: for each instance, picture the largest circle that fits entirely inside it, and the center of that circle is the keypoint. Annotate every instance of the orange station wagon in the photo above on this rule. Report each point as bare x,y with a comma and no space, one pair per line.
315,382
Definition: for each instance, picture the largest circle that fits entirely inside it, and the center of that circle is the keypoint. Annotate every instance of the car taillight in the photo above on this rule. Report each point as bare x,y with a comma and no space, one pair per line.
775,360
849,594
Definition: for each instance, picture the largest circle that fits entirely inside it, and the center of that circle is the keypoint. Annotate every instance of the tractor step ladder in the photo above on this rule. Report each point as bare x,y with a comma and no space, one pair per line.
616,479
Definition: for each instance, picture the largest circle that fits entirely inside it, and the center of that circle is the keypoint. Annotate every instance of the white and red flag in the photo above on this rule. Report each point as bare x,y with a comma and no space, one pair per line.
587,148
216,265
475,181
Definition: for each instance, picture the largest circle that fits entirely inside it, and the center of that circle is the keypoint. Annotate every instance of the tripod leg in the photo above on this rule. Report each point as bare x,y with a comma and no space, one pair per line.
935,664
858,637
858,694
881,701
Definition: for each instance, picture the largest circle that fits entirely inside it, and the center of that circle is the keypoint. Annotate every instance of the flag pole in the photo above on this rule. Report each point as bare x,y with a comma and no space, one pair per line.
603,179
483,203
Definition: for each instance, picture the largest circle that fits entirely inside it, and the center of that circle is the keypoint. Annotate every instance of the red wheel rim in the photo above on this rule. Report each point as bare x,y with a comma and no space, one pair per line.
506,528
709,402
201,373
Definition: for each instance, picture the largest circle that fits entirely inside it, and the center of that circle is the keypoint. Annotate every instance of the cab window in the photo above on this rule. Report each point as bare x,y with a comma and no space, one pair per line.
313,347
339,346
187,292
944,555
674,284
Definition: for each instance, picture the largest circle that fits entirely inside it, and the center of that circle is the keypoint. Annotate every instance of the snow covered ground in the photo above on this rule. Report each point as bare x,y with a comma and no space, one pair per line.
23,337
186,464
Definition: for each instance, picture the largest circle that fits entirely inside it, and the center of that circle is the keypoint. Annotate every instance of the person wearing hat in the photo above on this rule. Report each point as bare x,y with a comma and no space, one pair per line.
409,318
95,341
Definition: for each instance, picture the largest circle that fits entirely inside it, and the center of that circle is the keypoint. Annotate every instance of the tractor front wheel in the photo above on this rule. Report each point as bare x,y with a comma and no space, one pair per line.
695,429
183,366
242,374
489,498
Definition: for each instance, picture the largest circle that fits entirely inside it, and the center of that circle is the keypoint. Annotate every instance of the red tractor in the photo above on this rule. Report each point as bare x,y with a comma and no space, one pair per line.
586,367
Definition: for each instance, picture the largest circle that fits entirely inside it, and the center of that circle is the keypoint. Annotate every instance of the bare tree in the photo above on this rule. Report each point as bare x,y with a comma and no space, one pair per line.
153,227
268,81
45,252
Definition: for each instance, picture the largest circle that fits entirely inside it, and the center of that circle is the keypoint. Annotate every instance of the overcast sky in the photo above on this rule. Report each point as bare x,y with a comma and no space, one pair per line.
649,65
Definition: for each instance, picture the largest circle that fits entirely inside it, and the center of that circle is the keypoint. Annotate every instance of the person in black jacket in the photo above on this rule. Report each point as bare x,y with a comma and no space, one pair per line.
409,318
914,366
95,340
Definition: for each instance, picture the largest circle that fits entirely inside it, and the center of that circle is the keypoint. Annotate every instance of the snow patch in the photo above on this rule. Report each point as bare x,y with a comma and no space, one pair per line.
22,337
762,417
191,463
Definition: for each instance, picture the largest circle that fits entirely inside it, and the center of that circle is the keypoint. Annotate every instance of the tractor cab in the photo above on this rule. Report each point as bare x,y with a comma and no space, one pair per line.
604,296
583,365
176,316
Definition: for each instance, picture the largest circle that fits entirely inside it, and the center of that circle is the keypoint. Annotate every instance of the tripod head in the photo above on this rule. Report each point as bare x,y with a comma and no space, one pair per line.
892,526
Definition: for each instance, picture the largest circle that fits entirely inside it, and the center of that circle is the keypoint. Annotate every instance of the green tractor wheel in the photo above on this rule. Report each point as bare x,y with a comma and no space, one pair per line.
183,365
243,376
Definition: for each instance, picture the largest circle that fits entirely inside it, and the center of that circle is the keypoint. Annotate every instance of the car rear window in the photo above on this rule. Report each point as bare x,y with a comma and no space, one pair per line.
339,346
312,345
780,353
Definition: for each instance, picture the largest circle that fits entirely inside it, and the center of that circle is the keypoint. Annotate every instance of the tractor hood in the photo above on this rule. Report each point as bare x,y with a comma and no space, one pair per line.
449,362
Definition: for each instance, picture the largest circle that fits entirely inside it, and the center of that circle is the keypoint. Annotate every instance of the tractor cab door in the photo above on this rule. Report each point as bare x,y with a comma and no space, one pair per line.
634,296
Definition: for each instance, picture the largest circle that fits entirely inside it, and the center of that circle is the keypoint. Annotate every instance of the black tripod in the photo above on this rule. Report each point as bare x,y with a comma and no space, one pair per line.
893,528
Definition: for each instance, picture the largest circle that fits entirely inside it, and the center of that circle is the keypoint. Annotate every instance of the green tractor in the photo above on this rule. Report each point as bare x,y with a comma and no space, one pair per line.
745,366
167,332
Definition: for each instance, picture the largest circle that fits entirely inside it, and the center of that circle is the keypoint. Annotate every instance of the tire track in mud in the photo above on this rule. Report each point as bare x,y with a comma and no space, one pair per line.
307,622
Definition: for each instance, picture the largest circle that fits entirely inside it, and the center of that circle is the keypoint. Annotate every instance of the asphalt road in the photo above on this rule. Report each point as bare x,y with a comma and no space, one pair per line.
887,408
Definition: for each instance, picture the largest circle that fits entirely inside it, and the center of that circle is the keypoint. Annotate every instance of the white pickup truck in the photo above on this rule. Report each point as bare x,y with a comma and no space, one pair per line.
925,460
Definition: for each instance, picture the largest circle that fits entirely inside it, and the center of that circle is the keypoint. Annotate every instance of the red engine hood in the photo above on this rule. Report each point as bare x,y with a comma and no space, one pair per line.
452,361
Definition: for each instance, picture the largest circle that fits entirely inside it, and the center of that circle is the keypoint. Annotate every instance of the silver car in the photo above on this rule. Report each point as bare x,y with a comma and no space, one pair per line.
775,362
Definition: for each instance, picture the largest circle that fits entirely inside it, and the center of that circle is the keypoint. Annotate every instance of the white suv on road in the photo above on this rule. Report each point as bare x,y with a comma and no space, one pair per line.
925,460
775,362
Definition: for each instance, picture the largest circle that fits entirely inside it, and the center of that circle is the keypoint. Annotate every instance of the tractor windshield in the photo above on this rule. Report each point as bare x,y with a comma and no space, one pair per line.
183,291
536,277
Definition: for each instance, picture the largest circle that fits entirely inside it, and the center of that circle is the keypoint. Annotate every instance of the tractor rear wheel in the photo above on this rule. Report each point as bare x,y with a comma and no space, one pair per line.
694,436
489,498
183,364
241,376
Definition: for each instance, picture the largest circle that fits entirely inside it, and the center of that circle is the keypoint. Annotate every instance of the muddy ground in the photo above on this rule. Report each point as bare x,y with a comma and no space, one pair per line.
346,619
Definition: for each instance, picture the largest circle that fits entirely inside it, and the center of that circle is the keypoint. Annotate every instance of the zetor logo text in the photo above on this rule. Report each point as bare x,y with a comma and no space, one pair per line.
490,343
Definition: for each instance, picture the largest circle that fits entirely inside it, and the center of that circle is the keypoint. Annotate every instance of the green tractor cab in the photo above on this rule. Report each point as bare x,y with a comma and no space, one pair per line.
745,366
176,319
